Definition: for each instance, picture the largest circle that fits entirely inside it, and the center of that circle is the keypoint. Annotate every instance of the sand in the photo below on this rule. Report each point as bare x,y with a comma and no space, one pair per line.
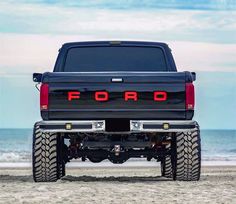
118,185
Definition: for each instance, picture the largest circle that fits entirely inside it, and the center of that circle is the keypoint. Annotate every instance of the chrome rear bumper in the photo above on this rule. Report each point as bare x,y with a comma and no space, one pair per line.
100,126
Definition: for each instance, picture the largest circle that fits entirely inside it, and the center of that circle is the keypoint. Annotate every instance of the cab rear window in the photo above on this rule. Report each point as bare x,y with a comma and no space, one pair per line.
116,58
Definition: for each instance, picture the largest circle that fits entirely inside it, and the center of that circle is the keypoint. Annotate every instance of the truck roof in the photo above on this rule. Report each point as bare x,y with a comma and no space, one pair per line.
114,43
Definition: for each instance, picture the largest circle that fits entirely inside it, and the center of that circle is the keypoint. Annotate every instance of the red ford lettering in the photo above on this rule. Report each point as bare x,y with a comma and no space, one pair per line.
73,95
131,95
101,96
127,96
160,96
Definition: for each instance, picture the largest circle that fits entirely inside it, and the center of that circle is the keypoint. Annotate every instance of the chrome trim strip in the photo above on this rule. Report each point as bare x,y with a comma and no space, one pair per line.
138,125
96,126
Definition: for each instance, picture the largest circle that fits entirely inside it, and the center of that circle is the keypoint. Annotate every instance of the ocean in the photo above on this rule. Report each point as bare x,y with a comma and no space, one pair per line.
217,145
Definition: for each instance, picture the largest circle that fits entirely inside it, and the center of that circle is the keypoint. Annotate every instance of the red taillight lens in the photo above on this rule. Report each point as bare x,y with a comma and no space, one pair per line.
44,97
189,88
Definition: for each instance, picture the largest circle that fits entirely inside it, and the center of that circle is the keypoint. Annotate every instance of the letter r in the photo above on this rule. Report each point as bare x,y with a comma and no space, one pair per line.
131,95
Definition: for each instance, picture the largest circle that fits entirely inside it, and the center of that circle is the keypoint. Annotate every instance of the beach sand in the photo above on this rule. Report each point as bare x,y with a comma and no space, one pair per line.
118,185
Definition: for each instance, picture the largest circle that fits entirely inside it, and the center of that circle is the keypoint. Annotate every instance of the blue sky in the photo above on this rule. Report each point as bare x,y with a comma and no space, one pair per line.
142,4
204,21
201,33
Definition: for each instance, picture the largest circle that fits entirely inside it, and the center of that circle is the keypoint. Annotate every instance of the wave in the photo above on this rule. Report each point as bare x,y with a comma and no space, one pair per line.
232,150
14,156
219,158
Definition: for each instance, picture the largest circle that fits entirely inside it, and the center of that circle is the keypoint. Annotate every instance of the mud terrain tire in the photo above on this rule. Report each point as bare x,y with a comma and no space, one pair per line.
48,165
187,156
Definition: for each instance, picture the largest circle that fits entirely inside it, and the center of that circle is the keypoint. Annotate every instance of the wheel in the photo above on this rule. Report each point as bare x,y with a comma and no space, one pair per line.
187,156
48,164
166,165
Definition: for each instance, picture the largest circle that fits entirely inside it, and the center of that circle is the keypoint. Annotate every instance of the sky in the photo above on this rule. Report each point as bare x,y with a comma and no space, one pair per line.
201,34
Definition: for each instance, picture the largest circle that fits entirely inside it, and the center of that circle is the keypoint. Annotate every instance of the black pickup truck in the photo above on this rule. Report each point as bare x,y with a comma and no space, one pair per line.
116,100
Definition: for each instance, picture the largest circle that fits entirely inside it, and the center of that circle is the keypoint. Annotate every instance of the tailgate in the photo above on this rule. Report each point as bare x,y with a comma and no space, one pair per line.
136,95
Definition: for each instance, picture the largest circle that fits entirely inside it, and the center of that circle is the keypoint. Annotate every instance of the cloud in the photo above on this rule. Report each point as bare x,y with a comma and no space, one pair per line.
21,53
31,33
204,56
167,25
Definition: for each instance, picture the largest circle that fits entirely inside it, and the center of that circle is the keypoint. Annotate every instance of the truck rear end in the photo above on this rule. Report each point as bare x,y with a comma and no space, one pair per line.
115,101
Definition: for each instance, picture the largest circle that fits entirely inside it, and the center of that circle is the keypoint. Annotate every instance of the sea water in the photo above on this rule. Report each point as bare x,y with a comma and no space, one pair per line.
217,145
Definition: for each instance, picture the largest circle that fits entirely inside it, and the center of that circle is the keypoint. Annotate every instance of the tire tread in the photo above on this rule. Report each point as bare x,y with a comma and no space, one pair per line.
45,158
188,156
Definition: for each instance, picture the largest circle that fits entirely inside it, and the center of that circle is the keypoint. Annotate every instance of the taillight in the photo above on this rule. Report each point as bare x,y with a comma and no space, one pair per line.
44,97
189,101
